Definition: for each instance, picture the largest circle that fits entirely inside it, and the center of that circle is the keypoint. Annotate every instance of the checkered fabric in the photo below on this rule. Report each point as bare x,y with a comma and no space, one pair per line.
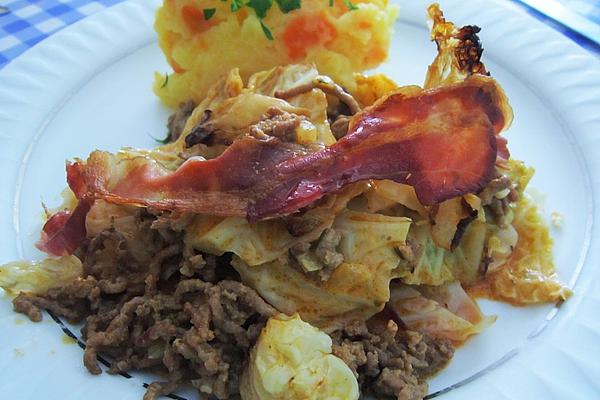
23,23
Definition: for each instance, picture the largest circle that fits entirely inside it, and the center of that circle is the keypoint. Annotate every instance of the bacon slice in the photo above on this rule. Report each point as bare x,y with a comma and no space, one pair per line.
502,145
441,141
64,231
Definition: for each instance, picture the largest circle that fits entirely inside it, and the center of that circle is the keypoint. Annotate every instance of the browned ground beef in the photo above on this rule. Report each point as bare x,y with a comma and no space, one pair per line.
186,316
391,362
277,123
498,208
319,258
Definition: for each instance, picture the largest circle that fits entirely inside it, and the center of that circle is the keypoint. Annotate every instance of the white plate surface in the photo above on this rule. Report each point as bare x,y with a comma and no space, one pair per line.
88,87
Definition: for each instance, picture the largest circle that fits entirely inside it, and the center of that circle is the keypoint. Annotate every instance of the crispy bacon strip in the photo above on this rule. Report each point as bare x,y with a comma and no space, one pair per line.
459,56
65,230
441,141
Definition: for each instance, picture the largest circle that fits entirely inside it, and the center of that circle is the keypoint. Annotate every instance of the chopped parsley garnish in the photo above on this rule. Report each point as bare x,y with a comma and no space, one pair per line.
208,13
166,140
236,5
166,81
288,5
266,30
349,4
262,7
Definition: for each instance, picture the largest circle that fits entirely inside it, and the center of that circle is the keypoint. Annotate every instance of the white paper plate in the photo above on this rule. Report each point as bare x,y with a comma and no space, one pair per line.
88,87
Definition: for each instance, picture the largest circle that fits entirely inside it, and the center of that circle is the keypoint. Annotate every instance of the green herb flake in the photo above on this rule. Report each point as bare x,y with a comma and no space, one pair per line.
208,13
266,30
260,7
330,3
349,4
236,5
166,81
166,140
288,5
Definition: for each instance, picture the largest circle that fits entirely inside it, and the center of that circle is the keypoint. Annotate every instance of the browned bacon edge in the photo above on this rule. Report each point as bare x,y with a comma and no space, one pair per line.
441,141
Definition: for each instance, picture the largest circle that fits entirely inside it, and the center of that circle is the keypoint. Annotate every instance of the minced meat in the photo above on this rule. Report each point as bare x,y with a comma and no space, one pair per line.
177,315
391,362
185,315
319,258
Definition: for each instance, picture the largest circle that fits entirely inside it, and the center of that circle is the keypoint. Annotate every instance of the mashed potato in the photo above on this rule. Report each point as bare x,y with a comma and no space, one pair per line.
339,41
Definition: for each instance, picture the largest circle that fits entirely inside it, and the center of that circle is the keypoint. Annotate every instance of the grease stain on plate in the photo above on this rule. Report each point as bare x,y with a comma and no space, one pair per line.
68,340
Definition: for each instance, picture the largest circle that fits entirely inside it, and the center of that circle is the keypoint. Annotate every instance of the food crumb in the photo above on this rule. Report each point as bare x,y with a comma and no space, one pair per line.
52,353
557,220
68,340
539,198
18,353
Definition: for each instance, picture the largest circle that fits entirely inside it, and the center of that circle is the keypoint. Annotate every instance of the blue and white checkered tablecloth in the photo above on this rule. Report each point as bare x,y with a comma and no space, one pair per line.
23,23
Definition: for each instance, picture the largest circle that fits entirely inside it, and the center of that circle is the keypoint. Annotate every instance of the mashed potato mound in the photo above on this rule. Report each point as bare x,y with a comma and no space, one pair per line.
339,41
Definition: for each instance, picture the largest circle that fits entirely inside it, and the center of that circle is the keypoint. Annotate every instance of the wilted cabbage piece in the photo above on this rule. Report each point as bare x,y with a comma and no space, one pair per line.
513,258
442,311
39,277
432,262
529,276
264,241
434,265
292,360
281,79
451,219
353,292
234,107
255,243
385,193
371,238
357,289
105,215
428,267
